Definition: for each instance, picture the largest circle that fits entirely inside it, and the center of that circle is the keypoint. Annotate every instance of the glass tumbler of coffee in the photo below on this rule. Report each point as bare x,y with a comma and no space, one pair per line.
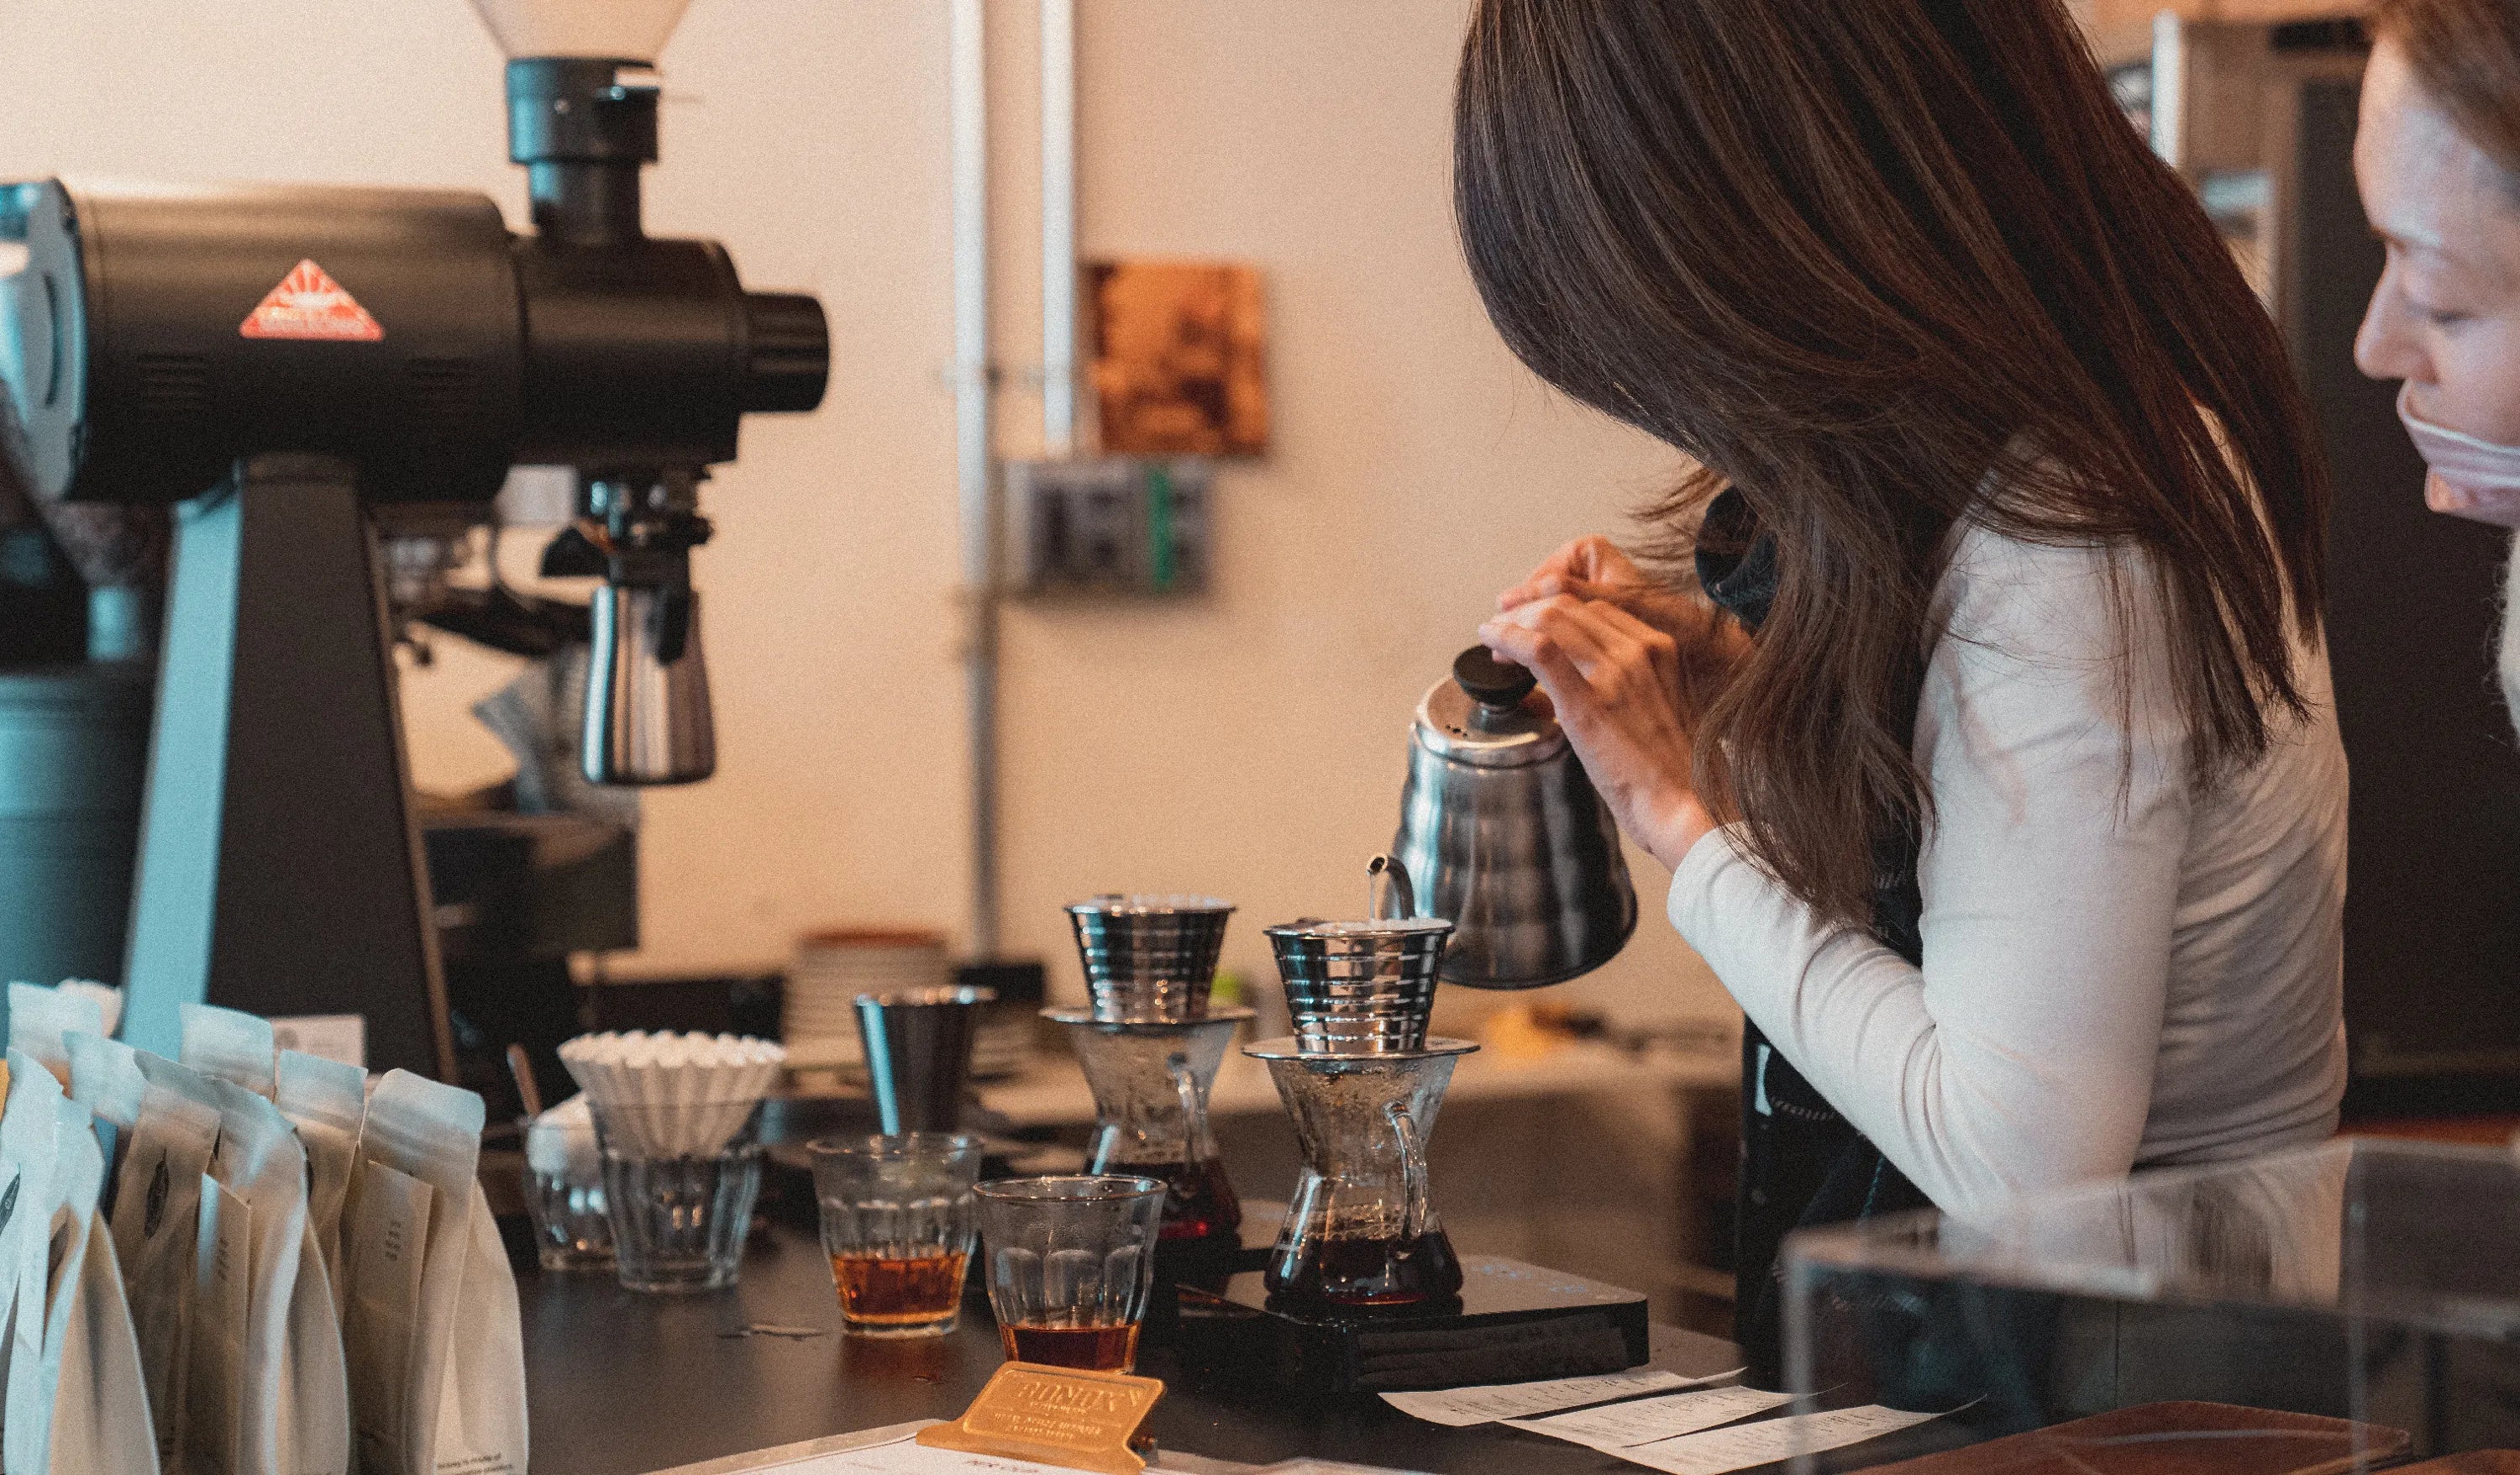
1072,1262
897,1222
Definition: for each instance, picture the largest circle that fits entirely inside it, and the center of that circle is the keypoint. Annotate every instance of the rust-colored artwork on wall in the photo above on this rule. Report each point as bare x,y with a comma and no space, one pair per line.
1177,352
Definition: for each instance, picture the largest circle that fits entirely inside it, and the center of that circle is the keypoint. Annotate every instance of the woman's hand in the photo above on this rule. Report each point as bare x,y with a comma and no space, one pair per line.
1707,645
1616,682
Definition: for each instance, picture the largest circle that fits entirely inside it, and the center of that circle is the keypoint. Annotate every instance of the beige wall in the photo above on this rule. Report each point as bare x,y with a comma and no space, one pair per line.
1249,743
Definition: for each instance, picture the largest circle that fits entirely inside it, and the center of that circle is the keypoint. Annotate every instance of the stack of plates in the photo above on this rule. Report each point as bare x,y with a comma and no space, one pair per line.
1003,1045
819,1021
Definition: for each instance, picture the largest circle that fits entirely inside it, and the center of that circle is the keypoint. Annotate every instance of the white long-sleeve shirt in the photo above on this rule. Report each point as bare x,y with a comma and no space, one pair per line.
2119,970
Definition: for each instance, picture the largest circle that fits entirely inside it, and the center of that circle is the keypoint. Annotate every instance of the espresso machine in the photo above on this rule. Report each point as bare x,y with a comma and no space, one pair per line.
303,371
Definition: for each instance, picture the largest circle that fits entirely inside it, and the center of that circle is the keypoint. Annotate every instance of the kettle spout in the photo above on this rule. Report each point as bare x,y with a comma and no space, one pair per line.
1388,896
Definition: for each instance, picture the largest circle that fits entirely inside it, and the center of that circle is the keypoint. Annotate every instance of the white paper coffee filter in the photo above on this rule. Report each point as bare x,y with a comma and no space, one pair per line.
673,1095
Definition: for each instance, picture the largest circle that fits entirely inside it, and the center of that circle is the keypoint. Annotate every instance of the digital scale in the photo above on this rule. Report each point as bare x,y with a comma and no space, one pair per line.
1513,1322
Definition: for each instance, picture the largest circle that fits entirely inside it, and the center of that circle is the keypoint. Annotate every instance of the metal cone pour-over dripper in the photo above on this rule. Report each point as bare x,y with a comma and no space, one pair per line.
919,1055
1364,987
1363,1083
1150,957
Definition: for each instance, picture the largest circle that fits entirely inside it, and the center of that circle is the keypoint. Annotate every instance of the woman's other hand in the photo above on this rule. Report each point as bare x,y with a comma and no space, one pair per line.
1708,647
1615,679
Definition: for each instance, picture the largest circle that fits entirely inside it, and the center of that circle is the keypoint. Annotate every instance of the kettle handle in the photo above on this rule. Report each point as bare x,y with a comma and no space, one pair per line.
1388,896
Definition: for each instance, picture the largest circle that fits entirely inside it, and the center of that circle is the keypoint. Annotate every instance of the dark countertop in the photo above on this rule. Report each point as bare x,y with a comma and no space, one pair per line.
623,1384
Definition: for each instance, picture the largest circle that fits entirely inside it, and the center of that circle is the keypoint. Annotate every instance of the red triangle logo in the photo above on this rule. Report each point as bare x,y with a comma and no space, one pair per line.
308,304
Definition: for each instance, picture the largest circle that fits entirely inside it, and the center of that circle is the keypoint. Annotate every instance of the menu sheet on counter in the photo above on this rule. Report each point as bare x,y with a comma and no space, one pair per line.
1460,1408
896,1450
893,1450
1616,1428
1743,1447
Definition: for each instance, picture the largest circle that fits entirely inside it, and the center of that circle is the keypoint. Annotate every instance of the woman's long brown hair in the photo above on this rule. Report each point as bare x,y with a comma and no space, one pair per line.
1884,264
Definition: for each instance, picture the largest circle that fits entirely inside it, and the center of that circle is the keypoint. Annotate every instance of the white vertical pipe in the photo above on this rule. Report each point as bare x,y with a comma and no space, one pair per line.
1058,377
2169,88
975,471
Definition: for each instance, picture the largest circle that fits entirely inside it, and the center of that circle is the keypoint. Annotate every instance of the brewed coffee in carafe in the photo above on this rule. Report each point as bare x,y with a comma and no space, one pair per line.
1361,1229
1150,1083
1363,1083
1151,1046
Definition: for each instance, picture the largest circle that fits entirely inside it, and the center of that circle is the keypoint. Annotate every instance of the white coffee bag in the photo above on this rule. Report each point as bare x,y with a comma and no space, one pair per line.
39,1017
29,1141
100,1424
34,1385
436,1350
157,1227
106,1079
385,1252
215,1395
326,1100
231,1045
293,1416
108,999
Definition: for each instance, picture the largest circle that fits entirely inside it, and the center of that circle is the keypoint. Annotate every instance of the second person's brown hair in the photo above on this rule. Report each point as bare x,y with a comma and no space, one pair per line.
2466,55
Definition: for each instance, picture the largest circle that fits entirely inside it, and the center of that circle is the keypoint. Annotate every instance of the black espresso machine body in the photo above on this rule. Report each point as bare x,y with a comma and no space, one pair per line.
290,364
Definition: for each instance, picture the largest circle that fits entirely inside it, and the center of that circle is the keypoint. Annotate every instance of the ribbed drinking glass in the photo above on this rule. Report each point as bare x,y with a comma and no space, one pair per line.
897,1223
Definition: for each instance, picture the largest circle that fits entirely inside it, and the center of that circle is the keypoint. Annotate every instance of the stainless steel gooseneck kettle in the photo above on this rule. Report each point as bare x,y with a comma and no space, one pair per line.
1504,836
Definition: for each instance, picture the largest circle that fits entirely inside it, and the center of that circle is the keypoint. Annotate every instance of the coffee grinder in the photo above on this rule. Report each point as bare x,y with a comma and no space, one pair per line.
1363,1290
299,367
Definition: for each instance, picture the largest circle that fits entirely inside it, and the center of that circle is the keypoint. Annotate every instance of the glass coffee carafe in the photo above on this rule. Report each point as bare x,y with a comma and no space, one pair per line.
1363,1083
1150,1081
1361,1229
1151,1045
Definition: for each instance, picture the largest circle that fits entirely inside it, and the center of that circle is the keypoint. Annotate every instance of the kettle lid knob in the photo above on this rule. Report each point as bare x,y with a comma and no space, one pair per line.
1491,680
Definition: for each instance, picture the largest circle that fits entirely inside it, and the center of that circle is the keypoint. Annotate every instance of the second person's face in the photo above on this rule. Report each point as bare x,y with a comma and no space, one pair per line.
2446,317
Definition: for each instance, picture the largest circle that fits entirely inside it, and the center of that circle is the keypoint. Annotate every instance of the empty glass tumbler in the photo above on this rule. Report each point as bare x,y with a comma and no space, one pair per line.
679,1195
897,1223
564,1184
1071,1264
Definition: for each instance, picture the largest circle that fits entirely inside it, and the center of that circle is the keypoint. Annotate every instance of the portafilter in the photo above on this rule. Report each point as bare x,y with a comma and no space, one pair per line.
1506,836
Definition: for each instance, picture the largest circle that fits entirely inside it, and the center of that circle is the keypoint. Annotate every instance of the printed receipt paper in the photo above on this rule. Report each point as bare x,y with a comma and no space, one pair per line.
1619,1427
899,1456
1460,1408
1716,1452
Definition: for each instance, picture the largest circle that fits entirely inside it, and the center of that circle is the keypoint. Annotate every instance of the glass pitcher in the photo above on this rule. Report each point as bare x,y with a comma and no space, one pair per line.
1150,1081
1361,1231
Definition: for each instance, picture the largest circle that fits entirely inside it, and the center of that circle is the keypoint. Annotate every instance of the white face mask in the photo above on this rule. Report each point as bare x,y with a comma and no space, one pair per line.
2470,477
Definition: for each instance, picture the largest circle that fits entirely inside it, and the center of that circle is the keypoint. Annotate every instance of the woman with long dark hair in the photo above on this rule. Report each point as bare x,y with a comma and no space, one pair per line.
1994,760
